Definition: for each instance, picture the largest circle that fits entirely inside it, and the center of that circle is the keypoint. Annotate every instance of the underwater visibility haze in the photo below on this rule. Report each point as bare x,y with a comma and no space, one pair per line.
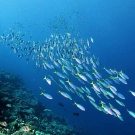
67,67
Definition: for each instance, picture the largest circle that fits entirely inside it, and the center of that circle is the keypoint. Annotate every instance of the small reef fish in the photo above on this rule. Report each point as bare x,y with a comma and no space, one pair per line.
25,128
71,85
123,75
75,113
79,106
91,98
66,56
65,94
46,95
95,87
120,103
8,105
91,39
120,95
77,60
120,117
107,109
131,113
60,74
82,77
48,80
4,123
132,92
115,110
60,104
47,110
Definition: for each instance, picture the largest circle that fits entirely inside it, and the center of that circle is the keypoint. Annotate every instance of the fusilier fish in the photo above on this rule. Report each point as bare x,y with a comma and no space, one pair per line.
79,106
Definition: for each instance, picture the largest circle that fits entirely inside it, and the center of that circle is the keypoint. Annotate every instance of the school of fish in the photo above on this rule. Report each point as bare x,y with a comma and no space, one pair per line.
71,61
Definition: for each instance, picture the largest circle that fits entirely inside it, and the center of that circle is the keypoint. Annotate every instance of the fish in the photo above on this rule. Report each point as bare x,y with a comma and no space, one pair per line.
122,80
106,108
60,104
75,113
47,110
115,110
120,95
120,117
8,105
91,98
59,74
132,92
46,95
65,95
110,94
3,123
120,103
108,71
82,77
131,113
91,39
48,80
25,128
123,75
77,60
71,85
64,56
95,87
55,81
27,59
79,106
112,88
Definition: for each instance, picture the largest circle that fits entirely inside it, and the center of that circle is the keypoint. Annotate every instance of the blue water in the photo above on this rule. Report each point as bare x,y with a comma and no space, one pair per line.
110,23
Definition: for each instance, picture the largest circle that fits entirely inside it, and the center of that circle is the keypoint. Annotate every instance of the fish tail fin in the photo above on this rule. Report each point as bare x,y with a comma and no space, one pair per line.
121,72
74,103
111,106
111,77
41,93
73,57
59,91
102,106
92,83
100,102
67,81
54,72
45,78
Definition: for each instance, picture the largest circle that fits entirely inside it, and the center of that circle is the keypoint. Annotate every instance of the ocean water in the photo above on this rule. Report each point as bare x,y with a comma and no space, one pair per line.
112,26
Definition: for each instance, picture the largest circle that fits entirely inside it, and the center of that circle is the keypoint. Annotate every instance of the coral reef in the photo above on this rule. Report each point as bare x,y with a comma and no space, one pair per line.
19,111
